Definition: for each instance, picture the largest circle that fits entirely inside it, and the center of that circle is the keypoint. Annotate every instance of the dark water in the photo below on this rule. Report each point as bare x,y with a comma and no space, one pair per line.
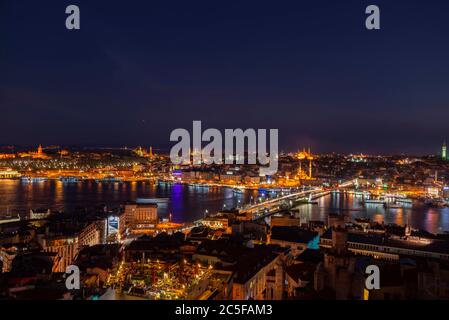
435,220
188,203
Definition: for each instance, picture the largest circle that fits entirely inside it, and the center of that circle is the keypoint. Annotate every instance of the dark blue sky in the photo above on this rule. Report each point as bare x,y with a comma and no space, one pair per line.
138,69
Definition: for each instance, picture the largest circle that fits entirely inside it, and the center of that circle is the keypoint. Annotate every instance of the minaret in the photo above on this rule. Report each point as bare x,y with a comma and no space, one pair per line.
444,151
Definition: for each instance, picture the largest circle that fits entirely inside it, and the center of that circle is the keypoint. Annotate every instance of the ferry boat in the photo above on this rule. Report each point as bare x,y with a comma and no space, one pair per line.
378,201
436,202
69,179
109,180
307,200
404,200
152,200
360,194
393,205
167,183
33,179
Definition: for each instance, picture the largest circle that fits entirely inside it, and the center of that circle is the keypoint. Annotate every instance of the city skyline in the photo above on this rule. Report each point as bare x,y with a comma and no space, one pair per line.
134,73
439,151
229,158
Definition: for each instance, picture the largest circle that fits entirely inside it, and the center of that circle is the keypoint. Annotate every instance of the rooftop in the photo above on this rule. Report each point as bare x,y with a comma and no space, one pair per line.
432,245
293,234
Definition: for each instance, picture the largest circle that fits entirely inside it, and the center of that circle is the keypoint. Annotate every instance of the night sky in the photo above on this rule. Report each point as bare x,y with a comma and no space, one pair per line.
138,69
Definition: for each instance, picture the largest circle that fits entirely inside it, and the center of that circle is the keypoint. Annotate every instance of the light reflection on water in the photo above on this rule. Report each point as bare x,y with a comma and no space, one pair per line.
435,220
189,203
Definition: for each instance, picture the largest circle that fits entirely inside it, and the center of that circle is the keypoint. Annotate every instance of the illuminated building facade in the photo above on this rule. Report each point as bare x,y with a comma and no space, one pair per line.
39,154
7,255
7,156
144,153
7,173
218,222
38,215
230,178
138,217
65,246
94,233
260,277
305,155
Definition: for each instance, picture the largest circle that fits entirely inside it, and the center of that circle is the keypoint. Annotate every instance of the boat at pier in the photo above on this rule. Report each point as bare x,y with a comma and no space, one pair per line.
404,200
393,205
436,202
109,180
158,201
33,179
377,201
69,179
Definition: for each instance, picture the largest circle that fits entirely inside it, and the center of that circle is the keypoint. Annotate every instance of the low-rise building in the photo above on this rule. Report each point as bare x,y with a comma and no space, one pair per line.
93,233
39,214
66,246
138,217
390,247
